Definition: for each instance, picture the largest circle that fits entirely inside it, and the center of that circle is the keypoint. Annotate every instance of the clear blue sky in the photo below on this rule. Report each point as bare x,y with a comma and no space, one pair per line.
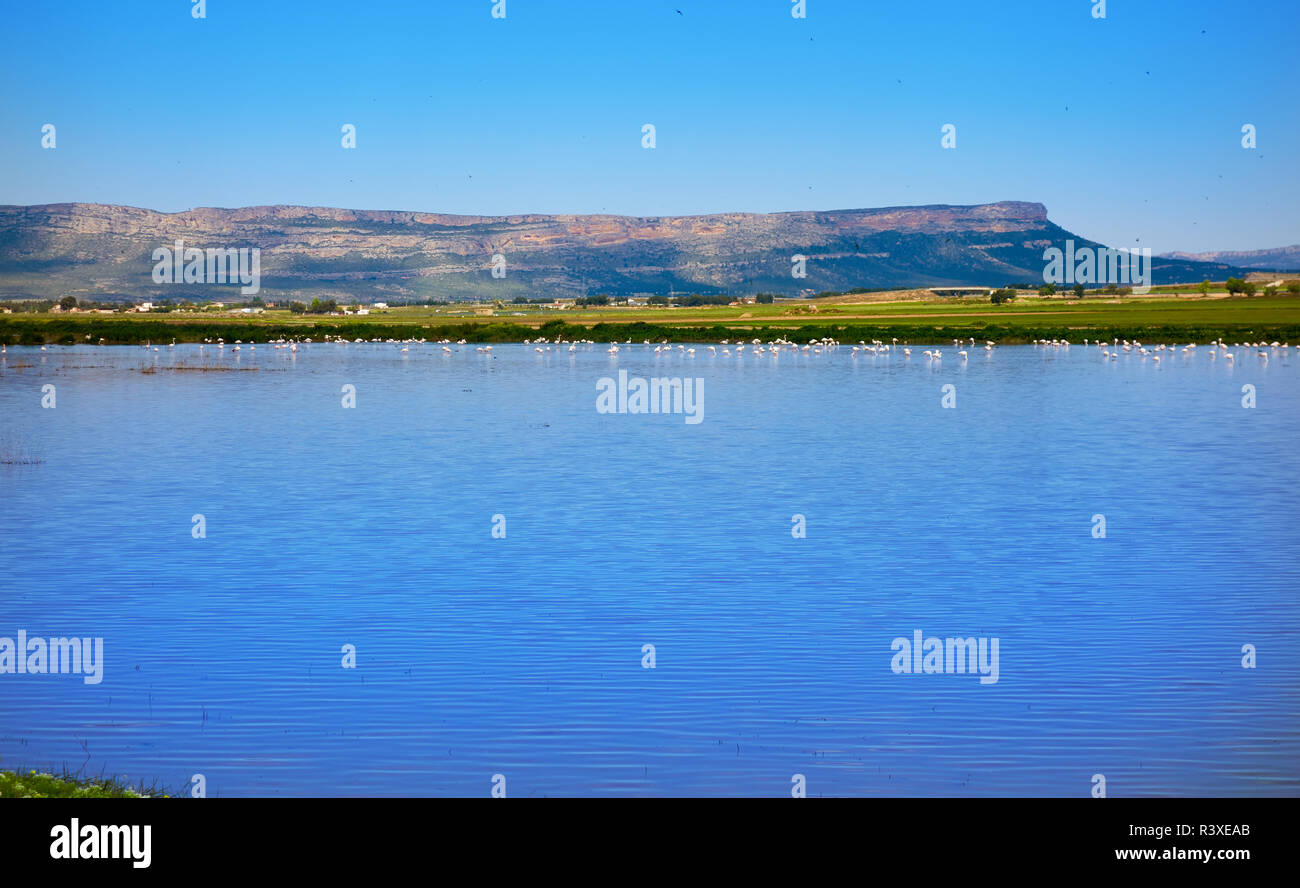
1128,128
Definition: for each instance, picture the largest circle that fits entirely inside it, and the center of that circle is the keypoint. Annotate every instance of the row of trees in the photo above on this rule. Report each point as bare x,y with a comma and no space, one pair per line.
318,306
1236,286
160,306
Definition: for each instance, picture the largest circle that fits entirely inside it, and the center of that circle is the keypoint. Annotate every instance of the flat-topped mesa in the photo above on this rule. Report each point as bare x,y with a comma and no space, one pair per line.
100,250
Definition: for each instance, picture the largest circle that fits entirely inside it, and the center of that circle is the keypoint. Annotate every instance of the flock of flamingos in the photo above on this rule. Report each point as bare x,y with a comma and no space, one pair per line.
727,348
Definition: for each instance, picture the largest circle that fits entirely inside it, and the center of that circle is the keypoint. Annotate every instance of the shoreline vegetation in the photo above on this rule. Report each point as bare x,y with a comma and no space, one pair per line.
1024,320
32,784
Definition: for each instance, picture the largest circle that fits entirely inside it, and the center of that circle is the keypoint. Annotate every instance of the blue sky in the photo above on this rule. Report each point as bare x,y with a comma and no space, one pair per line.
1127,128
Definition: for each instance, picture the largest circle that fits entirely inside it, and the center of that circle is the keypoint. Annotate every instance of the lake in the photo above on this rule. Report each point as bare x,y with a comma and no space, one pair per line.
508,561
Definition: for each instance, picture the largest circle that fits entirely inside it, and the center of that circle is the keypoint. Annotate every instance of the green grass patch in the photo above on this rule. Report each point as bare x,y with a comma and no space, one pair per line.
39,785
1024,320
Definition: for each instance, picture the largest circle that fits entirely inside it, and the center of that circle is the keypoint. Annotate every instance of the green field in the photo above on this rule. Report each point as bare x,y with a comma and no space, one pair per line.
1028,318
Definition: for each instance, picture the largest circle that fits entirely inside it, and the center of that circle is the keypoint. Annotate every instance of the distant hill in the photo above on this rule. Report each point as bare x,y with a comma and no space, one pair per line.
102,251
1276,259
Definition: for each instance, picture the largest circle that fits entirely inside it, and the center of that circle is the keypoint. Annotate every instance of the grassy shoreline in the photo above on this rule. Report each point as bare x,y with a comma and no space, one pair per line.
1167,320
34,784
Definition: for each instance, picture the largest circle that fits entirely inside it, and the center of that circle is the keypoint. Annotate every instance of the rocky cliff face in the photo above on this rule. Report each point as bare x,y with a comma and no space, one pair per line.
100,251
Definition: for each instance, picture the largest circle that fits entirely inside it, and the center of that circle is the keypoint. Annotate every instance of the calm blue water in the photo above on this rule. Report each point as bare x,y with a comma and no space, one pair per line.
522,656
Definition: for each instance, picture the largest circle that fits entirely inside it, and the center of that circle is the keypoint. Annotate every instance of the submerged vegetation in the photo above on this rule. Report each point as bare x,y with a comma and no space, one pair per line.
16,453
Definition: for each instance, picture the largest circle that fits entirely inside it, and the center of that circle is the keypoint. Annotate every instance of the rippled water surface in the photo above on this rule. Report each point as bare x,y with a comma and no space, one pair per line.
523,656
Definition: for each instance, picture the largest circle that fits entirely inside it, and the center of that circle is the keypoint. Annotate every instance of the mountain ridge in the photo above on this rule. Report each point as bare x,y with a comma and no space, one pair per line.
1270,259
104,250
